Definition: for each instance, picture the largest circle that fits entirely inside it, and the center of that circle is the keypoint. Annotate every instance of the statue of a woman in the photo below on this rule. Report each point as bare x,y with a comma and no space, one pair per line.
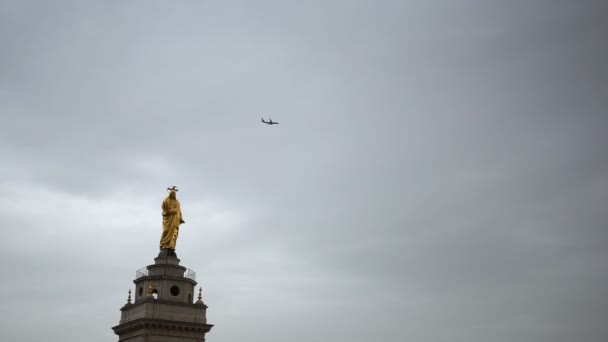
172,218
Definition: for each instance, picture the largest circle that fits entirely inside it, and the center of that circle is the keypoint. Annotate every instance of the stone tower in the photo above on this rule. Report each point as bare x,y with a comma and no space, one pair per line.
163,307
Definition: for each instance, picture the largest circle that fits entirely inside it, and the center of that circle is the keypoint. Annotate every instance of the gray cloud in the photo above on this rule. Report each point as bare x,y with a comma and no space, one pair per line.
439,172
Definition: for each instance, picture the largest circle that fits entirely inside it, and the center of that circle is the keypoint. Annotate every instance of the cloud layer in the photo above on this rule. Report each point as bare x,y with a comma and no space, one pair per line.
439,173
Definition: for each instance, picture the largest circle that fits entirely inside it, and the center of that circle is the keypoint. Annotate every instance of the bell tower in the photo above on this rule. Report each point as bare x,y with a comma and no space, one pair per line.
163,308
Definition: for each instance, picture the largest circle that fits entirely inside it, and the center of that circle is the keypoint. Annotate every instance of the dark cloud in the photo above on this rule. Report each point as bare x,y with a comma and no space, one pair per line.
438,174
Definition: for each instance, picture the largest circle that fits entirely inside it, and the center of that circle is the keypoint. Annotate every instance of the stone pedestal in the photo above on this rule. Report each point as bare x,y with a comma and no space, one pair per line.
163,309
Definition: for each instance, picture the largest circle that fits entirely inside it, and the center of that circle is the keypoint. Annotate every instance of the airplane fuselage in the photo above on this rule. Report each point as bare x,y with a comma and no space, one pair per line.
270,122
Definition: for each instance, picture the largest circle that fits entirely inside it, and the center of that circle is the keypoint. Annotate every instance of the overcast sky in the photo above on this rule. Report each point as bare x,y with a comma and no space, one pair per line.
440,171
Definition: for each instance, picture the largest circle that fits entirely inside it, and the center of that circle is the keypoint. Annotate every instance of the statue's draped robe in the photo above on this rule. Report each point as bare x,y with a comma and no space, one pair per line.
172,218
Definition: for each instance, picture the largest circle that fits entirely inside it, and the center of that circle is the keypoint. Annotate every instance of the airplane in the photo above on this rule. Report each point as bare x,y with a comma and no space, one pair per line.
270,122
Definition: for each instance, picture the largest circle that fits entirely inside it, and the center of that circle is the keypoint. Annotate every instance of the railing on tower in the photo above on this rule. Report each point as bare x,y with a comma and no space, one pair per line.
190,274
143,272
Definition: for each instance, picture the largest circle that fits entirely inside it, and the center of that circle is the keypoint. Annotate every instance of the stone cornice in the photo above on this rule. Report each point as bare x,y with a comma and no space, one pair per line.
142,323
160,277
161,301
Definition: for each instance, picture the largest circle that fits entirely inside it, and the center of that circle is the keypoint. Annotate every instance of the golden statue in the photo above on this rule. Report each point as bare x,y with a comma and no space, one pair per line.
172,218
